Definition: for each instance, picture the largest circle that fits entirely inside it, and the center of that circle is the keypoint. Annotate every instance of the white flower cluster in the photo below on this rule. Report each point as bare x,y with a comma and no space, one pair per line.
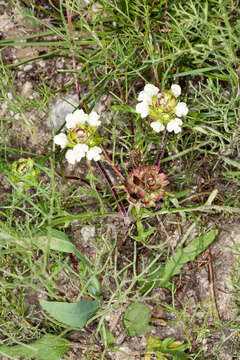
149,100
79,150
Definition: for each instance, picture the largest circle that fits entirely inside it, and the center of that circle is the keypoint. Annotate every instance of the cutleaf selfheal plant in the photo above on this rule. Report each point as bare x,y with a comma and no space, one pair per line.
82,138
162,107
145,185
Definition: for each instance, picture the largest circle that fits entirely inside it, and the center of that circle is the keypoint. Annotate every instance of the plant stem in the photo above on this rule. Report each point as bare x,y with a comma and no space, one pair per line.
114,167
73,55
160,154
120,205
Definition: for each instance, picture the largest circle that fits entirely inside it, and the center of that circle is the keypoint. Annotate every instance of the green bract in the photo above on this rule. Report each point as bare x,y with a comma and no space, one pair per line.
83,134
163,106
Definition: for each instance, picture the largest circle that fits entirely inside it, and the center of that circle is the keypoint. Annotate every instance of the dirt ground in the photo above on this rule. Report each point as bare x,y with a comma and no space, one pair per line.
194,293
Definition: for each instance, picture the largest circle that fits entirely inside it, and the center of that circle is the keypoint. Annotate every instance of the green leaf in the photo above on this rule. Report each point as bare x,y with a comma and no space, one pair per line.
182,256
136,319
106,336
59,241
143,234
123,108
73,314
49,347
169,347
231,162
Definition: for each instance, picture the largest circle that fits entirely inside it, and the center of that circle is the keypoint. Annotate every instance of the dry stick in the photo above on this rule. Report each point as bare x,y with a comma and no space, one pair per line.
211,282
114,167
120,205
160,154
73,55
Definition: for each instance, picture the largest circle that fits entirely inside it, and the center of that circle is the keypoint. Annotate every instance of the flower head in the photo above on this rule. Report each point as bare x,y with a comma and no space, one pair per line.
146,185
162,107
82,137
24,173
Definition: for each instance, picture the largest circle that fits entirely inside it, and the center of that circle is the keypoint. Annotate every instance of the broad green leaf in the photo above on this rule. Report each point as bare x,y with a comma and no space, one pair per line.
49,347
136,319
73,314
168,347
59,241
173,266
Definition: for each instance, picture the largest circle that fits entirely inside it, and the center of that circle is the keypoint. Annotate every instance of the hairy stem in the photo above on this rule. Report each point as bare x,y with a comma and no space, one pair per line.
160,154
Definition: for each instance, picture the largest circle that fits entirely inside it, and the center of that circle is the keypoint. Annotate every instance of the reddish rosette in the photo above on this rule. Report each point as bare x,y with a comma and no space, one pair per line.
146,185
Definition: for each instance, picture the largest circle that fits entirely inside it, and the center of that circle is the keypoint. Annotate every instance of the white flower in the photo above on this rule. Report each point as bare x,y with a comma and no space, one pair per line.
147,94
181,109
93,119
94,153
61,139
176,90
146,97
143,109
77,153
157,126
174,125
78,117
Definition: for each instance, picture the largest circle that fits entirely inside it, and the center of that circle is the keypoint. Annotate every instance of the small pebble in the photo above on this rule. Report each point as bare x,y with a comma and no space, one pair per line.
27,89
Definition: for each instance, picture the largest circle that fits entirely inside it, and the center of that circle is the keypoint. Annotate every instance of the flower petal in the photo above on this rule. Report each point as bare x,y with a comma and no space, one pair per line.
157,126
181,109
147,94
81,149
174,125
77,153
176,90
61,139
143,109
151,90
94,153
93,119
78,117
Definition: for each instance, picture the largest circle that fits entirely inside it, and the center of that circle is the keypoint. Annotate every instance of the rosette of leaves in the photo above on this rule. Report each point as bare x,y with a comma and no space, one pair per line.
24,173
146,185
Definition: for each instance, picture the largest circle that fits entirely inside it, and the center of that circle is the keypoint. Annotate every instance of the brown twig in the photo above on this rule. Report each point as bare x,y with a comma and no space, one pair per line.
114,167
211,282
